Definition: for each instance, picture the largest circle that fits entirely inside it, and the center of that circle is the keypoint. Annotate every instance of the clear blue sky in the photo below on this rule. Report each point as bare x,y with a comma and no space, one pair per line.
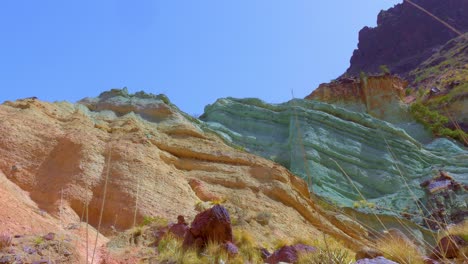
194,51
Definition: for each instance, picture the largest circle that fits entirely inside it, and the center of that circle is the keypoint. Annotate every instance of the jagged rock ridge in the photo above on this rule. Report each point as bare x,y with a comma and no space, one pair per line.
405,36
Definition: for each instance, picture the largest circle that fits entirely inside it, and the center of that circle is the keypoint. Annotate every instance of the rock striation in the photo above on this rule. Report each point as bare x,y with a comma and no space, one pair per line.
406,36
137,155
380,96
350,158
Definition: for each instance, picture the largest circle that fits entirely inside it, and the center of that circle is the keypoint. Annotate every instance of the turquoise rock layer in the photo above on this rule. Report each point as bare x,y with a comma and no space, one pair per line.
346,157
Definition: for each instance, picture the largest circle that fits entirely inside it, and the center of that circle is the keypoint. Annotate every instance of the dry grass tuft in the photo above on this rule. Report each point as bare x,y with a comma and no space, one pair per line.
248,249
400,251
5,240
460,230
330,256
155,221
214,253
281,242
330,251
170,251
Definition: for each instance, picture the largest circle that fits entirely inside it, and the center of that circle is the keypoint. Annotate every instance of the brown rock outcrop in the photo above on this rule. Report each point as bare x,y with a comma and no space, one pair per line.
212,225
180,228
449,247
379,96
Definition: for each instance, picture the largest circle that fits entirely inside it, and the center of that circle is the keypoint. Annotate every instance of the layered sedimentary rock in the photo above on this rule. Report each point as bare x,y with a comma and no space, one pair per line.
405,36
128,156
379,96
345,156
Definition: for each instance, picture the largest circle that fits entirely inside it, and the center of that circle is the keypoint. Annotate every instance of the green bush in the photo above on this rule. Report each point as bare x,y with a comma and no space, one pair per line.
435,122
384,69
156,220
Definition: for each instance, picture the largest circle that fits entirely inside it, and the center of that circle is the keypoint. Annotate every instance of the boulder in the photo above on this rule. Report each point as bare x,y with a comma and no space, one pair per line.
49,236
368,253
377,260
231,249
211,225
179,229
289,254
449,247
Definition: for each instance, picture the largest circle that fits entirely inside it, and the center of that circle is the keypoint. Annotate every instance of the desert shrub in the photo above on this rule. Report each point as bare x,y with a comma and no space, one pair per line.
408,91
400,251
305,241
5,240
218,201
329,249
248,250
435,122
201,206
363,204
384,69
214,253
170,250
281,242
240,148
460,230
237,216
263,218
154,220
38,240
330,256
164,98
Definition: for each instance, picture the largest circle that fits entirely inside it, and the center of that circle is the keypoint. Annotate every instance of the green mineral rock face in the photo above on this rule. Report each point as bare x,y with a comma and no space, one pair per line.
349,158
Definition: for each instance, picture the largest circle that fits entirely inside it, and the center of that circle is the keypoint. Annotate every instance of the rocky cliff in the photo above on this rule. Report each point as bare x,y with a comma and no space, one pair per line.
347,157
136,156
405,36
381,96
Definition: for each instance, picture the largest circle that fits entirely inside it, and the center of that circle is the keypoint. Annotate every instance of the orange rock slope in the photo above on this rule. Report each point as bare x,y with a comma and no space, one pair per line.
379,96
143,158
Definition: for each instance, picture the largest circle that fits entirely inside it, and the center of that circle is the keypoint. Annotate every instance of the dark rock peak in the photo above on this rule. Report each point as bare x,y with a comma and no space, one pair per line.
405,36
